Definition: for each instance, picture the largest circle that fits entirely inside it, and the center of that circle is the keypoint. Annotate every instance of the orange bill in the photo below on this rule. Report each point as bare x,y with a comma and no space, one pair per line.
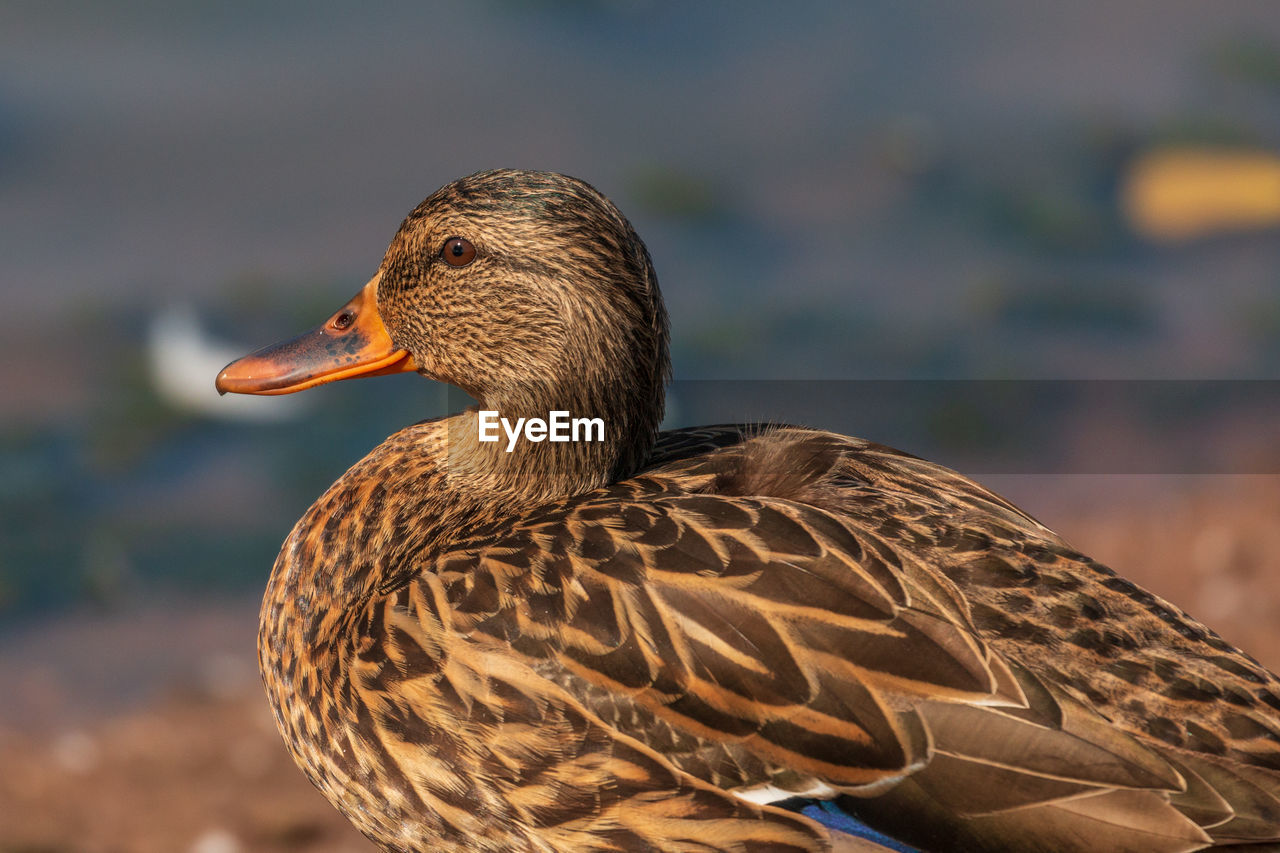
353,342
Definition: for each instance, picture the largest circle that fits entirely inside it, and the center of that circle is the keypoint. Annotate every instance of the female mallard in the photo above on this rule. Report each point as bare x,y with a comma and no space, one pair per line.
714,639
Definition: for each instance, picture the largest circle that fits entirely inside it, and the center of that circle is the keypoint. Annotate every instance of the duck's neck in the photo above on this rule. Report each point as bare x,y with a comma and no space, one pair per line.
534,452
425,487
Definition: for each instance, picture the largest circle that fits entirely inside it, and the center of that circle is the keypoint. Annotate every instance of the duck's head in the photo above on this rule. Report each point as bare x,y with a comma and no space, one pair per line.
528,290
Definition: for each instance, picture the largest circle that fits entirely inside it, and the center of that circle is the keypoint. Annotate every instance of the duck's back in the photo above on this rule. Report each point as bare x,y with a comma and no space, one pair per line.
1113,676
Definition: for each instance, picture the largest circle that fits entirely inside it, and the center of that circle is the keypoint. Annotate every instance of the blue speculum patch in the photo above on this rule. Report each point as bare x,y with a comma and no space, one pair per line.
833,817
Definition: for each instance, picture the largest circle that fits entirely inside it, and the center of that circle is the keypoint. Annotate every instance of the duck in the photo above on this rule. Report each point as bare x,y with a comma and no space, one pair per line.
740,637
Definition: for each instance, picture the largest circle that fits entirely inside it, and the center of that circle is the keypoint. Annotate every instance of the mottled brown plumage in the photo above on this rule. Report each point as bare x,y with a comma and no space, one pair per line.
616,646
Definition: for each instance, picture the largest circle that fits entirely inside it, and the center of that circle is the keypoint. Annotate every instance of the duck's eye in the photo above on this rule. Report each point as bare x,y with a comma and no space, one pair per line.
458,252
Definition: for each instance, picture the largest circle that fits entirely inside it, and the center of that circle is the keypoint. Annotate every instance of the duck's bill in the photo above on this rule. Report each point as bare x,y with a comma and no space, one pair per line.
353,342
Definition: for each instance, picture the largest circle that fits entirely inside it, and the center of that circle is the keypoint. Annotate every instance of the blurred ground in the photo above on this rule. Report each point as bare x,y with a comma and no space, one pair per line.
198,773
147,730
192,761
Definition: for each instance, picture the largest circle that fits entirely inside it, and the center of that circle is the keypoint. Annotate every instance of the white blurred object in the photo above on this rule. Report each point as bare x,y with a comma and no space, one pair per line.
216,840
76,752
184,360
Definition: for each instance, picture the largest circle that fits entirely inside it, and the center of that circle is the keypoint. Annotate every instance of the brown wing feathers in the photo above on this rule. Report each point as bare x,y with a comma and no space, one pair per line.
489,749
821,649
705,647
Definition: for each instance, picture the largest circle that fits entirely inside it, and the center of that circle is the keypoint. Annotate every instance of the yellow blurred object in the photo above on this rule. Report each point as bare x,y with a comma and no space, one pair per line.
1184,193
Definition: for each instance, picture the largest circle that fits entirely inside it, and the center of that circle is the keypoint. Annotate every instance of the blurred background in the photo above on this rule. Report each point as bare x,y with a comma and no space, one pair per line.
1047,230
